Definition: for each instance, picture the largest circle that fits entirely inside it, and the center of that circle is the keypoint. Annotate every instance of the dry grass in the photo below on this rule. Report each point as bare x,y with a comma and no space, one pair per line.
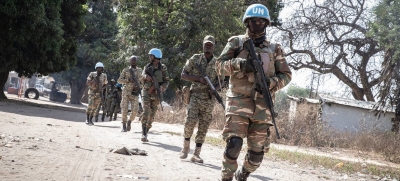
307,131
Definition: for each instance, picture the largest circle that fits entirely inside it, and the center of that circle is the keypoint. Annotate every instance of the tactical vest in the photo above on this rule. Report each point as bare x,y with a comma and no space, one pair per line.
241,83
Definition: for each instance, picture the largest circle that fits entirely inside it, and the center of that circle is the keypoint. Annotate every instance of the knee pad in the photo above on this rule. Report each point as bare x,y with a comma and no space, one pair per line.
233,147
255,158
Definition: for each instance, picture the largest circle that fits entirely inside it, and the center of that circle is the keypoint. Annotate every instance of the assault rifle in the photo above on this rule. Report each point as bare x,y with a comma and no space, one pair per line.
210,85
134,79
150,71
260,79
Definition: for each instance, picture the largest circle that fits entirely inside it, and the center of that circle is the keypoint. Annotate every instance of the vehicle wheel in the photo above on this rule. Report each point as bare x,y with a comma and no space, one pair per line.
32,93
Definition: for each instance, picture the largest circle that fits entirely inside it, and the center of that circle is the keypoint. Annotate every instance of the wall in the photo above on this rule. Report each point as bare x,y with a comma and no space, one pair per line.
354,119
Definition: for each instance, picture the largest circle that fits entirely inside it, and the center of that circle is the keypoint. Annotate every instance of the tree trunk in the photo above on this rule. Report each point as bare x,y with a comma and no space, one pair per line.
396,119
3,80
78,88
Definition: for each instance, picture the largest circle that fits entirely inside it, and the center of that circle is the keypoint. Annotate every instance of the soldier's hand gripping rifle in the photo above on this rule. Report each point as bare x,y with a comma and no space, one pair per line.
134,79
260,79
210,85
149,71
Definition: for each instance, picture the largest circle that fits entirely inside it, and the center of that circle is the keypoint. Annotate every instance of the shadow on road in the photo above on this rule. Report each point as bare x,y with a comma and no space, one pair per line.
16,107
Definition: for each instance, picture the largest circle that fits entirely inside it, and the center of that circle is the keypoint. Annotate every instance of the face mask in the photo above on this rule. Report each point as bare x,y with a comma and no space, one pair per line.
256,27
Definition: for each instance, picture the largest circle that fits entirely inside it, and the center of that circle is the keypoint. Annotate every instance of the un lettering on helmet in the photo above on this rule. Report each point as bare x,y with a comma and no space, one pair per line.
256,10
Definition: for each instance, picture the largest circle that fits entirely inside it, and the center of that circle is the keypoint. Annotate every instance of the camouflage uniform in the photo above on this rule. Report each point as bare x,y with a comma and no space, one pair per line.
110,89
150,100
115,103
130,93
94,93
200,106
246,117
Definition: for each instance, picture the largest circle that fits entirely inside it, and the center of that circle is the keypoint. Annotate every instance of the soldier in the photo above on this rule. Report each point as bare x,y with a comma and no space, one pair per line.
130,79
150,97
96,82
201,103
247,114
116,101
110,90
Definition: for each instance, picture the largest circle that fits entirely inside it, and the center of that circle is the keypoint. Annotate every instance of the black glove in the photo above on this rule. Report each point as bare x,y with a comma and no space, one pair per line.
246,66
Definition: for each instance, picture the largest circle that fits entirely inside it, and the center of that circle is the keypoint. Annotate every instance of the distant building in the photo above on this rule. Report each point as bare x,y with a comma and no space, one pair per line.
343,114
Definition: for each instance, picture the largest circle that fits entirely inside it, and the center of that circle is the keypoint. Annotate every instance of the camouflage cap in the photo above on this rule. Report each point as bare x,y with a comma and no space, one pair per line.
209,38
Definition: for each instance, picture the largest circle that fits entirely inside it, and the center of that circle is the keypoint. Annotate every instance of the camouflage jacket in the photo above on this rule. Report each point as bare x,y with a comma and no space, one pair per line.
198,89
241,83
160,72
102,80
124,78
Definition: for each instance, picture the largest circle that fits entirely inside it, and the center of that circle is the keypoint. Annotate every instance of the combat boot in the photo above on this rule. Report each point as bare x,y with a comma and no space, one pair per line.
110,117
128,126
102,117
87,119
123,127
144,134
115,116
185,150
196,155
241,174
90,120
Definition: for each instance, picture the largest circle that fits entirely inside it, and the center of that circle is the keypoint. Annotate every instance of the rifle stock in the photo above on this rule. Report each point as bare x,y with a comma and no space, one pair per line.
260,79
210,85
149,71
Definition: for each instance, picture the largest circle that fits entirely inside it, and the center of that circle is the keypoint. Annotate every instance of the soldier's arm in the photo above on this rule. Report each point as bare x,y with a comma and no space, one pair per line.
90,80
226,64
187,69
165,77
143,76
123,78
283,75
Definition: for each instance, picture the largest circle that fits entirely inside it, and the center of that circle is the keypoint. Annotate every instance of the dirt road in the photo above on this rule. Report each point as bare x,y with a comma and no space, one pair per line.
47,144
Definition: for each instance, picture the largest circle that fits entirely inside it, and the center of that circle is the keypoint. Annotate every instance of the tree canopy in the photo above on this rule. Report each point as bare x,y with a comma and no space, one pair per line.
330,37
33,38
386,30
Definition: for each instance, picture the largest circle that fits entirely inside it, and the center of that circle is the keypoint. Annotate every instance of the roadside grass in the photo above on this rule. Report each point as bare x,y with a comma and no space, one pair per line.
303,159
307,130
338,165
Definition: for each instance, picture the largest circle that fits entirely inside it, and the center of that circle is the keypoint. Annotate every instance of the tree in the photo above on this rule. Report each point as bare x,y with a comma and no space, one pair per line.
385,30
178,27
281,102
95,45
329,37
33,38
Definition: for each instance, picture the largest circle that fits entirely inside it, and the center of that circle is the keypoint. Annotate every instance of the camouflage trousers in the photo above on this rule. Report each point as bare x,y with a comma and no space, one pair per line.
150,106
126,99
199,110
109,101
256,133
94,103
114,107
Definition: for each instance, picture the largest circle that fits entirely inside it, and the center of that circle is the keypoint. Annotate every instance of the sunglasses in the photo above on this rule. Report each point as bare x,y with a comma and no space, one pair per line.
262,20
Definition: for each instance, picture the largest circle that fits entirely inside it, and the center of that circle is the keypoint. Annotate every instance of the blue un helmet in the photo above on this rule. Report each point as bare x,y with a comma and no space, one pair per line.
257,11
156,52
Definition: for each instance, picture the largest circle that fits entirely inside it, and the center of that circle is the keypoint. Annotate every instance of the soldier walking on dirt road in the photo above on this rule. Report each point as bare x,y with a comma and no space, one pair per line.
201,103
129,78
97,82
155,74
247,113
